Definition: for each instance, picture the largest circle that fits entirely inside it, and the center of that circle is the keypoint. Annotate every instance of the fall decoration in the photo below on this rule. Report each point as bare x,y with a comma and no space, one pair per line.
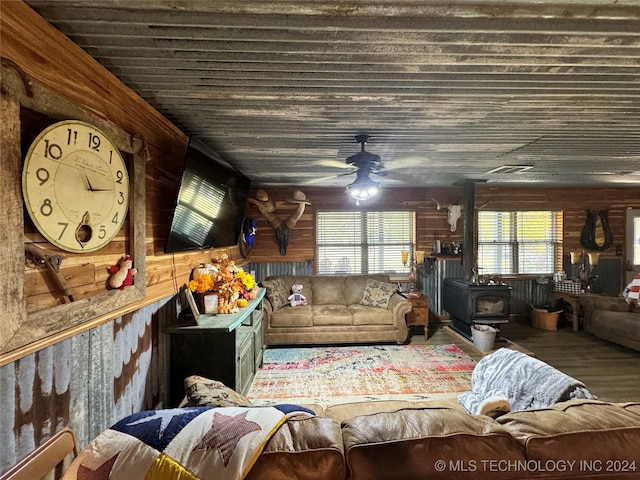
227,280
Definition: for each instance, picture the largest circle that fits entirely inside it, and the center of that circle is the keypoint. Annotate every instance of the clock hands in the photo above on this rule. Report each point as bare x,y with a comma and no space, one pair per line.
89,183
91,189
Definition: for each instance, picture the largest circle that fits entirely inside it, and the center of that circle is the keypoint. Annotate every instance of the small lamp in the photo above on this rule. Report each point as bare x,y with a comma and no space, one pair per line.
594,258
575,257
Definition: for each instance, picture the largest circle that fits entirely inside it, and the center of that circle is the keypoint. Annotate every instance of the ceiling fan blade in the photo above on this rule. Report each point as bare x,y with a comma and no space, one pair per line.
335,164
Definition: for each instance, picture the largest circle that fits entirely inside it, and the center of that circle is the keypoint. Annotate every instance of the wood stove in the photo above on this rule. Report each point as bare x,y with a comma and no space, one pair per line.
468,303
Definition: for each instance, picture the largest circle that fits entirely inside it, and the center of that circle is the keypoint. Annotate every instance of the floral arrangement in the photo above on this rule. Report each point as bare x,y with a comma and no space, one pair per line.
247,282
227,280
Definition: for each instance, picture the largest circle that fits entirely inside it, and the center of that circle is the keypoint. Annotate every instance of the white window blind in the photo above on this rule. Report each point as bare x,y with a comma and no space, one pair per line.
521,242
363,242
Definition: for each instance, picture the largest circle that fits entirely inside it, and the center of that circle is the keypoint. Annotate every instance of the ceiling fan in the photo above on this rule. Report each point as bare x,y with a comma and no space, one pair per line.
365,163
364,160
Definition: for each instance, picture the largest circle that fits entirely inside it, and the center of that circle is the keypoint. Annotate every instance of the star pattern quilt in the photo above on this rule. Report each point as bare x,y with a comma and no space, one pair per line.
196,443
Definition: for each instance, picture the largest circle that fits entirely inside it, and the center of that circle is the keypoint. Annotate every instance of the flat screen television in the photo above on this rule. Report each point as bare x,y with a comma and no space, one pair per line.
209,209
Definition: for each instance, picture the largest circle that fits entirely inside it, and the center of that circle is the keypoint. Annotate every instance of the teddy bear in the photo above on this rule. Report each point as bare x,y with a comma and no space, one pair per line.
122,274
296,298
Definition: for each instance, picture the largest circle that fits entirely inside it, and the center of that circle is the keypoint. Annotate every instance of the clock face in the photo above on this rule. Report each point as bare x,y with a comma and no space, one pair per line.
75,186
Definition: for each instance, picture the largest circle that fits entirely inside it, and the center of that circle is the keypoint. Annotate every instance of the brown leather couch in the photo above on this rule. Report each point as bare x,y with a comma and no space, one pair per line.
334,312
577,439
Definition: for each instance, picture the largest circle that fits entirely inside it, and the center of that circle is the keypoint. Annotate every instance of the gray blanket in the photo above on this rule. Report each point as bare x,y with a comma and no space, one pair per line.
525,382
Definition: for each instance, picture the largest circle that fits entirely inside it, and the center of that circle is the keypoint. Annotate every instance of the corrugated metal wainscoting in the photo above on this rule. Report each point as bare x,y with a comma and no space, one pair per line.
86,382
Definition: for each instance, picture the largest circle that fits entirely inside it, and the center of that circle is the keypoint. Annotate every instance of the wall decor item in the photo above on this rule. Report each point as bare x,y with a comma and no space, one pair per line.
267,206
454,213
31,324
596,233
75,186
248,236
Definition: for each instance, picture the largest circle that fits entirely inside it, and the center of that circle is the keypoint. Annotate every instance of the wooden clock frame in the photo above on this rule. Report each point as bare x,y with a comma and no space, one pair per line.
22,333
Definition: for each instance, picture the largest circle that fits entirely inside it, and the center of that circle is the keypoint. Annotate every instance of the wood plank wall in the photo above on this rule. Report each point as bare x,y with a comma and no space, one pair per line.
46,56
431,223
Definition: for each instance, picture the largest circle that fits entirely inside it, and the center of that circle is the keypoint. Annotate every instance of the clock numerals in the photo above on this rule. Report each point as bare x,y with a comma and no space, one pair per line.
94,142
64,229
121,198
72,136
42,174
102,232
46,208
52,150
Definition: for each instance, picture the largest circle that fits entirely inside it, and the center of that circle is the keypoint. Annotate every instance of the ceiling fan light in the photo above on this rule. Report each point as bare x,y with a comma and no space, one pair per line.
363,188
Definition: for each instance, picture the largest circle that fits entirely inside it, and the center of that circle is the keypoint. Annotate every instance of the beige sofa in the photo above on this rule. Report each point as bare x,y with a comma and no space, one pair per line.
335,312
612,319
577,439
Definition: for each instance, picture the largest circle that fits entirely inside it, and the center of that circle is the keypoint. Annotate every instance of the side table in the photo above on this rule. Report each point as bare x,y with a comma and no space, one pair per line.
573,299
419,314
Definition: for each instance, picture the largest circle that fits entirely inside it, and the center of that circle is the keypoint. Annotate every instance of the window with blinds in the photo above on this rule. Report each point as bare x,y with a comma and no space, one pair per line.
521,242
363,242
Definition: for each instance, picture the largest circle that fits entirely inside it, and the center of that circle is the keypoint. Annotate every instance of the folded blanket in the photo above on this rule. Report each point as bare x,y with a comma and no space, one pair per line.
524,382
197,443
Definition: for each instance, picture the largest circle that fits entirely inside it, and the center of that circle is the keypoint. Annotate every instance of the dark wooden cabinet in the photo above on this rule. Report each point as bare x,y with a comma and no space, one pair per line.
227,348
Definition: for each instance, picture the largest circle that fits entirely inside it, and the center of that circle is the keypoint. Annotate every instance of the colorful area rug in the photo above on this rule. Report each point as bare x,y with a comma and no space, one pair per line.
334,375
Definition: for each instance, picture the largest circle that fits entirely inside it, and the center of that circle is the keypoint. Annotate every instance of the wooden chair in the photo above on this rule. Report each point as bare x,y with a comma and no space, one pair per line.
45,458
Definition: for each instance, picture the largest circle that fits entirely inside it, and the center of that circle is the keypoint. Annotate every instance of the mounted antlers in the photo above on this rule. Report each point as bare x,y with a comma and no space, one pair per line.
267,205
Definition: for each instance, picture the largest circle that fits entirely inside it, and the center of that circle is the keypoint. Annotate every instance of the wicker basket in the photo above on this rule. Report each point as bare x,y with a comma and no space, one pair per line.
543,319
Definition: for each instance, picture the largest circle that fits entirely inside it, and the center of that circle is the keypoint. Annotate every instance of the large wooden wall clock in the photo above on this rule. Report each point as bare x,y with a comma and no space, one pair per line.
75,186
78,191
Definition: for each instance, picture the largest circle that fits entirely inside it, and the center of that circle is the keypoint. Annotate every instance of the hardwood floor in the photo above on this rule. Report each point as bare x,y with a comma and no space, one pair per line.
609,371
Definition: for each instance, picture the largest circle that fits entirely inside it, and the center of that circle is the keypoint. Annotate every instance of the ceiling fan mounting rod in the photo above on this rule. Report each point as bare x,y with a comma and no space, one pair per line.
362,139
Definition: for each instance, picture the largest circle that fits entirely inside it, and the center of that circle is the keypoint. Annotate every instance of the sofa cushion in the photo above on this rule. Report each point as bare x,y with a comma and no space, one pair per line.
371,316
344,411
583,431
304,449
354,286
276,292
377,294
331,315
328,290
203,392
292,317
377,445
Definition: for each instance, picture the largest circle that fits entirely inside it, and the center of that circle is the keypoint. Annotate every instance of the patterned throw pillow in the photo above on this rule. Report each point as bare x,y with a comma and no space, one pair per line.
377,294
276,293
203,392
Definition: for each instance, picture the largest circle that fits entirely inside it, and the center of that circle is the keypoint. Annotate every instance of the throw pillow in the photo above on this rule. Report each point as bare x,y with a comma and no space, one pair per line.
377,294
203,392
276,292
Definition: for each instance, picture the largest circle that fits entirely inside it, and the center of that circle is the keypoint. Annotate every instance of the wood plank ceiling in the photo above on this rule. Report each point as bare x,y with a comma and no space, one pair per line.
447,91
